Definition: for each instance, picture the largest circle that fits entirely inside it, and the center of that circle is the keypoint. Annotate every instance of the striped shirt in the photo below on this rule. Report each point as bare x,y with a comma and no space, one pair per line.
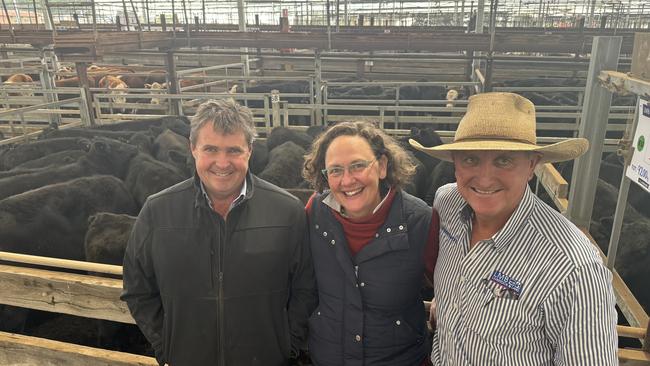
535,293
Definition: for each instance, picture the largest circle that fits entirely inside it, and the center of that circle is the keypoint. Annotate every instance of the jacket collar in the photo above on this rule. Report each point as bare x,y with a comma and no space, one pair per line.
201,198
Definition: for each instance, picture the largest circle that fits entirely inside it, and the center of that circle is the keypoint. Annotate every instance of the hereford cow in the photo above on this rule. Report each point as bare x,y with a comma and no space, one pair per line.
116,87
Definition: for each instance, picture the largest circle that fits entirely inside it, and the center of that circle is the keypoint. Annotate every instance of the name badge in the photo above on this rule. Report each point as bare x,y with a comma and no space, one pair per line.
510,287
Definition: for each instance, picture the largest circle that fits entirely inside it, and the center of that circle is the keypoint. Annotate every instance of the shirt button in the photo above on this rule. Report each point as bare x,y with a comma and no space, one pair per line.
388,230
401,227
318,313
376,235
316,226
357,338
324,233
455,306
356,285
398,322
333,242
462,278
363,284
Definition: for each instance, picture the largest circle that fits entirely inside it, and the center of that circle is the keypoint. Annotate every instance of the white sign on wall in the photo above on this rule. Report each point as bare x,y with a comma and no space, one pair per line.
639,168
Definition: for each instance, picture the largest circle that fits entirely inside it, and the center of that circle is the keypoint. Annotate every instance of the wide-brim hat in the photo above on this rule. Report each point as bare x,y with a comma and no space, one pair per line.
506,122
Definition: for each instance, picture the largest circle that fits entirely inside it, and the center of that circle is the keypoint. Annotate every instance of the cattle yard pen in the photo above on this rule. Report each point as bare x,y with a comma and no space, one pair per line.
470,62
322,71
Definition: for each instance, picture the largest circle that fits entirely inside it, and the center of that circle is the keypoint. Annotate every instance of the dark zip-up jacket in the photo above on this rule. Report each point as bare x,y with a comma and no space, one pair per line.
370,310
205,291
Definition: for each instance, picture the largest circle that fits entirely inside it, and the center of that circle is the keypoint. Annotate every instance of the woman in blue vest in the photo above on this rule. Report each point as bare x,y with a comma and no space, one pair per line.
372,245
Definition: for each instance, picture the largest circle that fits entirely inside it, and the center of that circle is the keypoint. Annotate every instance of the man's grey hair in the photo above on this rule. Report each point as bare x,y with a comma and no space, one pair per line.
226,116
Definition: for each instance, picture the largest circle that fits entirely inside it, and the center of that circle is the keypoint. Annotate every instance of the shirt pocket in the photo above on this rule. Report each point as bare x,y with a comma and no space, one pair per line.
487,313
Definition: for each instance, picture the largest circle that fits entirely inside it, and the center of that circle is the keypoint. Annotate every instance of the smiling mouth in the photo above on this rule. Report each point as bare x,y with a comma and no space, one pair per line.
482,192
221,174
353,193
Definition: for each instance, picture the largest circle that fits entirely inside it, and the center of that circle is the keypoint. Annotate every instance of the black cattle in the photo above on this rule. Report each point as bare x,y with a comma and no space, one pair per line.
52,220
442,174
417,186
143,140
107,236
174,149
315,131
259,157
426,137
284,87
85,132
178,124
285,166
52,160
105,157
23,153
423,92
362,92
611,171
280,135
633,253
147,176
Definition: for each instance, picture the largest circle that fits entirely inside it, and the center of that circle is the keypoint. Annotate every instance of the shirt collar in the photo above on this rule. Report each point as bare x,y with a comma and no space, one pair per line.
332,203
235,202
502,238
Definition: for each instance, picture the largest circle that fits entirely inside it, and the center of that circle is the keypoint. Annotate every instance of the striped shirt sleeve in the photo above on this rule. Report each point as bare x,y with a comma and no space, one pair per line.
580,317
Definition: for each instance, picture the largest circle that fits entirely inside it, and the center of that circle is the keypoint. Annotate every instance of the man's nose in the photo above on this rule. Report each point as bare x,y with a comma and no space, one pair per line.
222,160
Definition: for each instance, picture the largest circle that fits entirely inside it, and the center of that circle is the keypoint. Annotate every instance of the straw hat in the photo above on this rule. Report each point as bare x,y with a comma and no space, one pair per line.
503,121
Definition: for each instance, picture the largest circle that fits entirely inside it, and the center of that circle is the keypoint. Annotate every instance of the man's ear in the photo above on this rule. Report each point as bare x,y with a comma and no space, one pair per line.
534,161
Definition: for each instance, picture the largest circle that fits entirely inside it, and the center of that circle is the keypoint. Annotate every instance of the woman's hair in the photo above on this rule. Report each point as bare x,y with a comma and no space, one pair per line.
400,167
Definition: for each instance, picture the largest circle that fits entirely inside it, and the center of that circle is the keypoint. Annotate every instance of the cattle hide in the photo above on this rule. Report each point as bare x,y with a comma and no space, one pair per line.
22,153
178,124
417,186
443,173
143,140
315,131
107,237
52,160
85,132
174,149
426,137
259,157
52,221
147,176
105,157
280,135
285,166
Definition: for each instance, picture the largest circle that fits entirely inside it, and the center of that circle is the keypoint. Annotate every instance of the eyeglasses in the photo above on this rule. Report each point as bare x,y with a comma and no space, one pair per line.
354,169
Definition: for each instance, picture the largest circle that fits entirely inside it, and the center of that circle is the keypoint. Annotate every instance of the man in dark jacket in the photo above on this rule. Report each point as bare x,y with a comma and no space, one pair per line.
218,268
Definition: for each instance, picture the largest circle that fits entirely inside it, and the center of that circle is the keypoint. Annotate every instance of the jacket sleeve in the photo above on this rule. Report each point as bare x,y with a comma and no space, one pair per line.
580,318
303,296
140,288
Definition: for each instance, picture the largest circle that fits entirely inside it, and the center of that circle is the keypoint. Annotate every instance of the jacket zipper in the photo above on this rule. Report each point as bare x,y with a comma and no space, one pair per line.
222,348
222,336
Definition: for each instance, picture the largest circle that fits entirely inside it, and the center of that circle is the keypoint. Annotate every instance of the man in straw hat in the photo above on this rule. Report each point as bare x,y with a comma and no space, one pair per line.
516,282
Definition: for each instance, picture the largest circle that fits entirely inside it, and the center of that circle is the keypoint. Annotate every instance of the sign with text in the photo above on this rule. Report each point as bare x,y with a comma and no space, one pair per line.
640,164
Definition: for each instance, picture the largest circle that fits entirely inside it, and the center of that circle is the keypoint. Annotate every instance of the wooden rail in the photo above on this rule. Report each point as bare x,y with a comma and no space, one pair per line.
22,350
65,293
554,184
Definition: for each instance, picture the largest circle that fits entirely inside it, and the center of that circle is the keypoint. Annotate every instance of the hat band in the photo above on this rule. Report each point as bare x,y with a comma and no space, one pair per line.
527,142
